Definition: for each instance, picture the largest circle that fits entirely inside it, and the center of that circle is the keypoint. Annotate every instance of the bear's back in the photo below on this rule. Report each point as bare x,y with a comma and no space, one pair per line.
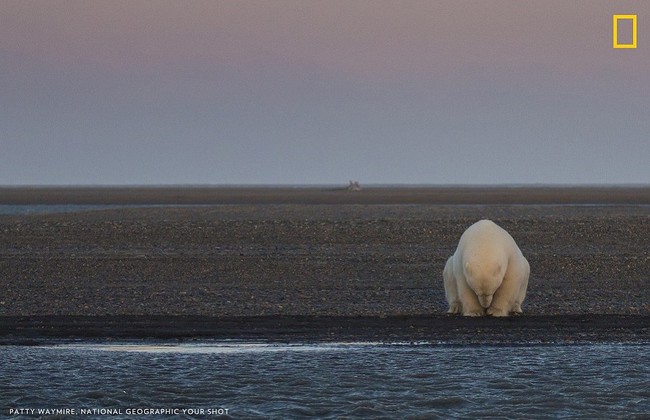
485,239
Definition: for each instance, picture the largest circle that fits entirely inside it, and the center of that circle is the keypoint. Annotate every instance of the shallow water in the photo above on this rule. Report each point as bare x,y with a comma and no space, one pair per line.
257,380
27,209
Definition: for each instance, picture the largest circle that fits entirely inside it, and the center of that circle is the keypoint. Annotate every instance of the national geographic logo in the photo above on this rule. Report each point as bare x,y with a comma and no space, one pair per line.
616,38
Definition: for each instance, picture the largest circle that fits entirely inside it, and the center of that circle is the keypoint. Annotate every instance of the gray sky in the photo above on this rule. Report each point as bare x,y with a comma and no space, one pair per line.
320,92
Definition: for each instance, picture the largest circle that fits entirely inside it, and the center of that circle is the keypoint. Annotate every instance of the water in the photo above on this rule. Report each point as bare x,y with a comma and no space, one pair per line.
28,209
32,209
248,380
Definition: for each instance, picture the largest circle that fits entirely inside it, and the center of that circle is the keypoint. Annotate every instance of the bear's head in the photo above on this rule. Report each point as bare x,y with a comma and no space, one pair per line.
484,279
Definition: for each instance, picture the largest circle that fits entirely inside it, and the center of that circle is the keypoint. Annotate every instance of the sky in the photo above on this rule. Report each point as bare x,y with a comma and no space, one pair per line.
322,91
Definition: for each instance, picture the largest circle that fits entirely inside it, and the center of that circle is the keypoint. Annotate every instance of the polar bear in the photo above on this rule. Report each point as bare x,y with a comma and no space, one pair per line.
487,273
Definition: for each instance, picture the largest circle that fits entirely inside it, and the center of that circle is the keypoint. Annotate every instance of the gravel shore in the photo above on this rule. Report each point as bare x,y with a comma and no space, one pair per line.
287,261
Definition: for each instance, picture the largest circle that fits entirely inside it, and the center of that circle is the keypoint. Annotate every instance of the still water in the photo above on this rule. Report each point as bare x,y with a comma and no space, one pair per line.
258,380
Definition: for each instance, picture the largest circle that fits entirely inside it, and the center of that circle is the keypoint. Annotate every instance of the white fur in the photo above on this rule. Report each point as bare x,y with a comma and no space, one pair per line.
487,273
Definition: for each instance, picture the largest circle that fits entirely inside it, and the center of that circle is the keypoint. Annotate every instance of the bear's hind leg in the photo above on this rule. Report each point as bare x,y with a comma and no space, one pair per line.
454,308
451,290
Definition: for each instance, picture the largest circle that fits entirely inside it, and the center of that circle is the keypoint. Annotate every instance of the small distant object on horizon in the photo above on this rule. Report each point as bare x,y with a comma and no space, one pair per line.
354,186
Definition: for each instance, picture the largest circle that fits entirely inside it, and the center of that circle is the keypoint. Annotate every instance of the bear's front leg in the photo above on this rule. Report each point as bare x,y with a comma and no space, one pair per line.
469,301
497,312
474,312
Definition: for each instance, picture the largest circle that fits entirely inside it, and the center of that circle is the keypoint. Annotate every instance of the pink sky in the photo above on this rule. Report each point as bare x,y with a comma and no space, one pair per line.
362,39
205,67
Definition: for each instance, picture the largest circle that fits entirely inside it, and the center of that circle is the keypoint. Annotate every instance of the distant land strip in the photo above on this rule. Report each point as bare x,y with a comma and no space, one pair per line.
206,195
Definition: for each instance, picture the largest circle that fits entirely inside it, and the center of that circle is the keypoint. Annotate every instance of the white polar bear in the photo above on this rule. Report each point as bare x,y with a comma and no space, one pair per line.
487,273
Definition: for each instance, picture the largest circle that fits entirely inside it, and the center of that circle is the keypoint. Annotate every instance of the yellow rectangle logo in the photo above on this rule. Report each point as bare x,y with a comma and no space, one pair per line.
616,18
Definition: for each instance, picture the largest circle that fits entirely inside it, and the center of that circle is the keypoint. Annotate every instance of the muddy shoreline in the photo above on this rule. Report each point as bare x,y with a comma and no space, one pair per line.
441,330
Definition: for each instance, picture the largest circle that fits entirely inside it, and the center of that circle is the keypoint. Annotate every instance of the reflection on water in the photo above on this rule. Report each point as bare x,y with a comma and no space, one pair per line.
257,380
222,347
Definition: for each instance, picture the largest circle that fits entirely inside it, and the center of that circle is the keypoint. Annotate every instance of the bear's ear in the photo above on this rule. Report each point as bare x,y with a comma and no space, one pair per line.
468,268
